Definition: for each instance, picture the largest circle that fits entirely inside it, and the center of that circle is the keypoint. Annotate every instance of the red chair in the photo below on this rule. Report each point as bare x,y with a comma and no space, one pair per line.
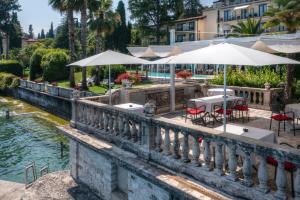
280,116
240,107
288,166
219,110
194,113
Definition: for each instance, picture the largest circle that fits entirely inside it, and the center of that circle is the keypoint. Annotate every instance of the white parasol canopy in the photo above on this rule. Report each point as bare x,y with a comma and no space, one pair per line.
229,54
109,58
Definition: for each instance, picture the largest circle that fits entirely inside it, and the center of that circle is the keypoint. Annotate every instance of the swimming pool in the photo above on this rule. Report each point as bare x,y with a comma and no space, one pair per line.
167,75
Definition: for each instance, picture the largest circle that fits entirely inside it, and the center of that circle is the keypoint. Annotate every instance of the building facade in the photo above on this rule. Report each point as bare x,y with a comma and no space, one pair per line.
217,21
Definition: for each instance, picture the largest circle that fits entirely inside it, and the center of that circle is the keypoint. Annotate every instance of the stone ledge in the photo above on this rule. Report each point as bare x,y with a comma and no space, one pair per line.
177,185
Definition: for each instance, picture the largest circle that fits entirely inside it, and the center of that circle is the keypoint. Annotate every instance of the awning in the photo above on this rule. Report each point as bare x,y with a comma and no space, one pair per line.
241,7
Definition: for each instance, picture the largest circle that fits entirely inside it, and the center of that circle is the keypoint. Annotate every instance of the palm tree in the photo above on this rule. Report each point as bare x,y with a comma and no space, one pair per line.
103,21
286,12
248,28
68,7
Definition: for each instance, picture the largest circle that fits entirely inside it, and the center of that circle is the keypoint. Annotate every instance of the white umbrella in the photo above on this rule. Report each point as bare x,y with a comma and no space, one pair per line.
229,54
109,58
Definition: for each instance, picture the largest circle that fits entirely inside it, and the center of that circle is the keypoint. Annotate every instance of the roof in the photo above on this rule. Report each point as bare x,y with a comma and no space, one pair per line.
190,18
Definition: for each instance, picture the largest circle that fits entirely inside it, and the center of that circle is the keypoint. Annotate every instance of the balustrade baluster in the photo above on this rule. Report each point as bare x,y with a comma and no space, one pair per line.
263,174
281,181
116,125
247,169
140,132
297,184
258,98
196,152
158,139
105,122
167,142
185,148
219,159
100,117
120,124
94,117
134,132
207,154
176,145
126,132
111,123
255,97
232,162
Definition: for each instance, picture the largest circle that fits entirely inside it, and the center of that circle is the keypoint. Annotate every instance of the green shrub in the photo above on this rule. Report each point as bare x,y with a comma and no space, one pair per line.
115,71
54,66
35,62
11,66
8,81
254,77
101,73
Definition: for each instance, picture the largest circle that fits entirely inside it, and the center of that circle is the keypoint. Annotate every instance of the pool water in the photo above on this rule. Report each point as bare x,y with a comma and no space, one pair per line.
167,75
28,137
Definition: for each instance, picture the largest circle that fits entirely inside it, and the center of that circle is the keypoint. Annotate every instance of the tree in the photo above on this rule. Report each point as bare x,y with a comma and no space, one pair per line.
286,12
248,28
121,30
39,36
192,8
103,22
51,31
150,15
129,30
178,8
43,36
68,7
30,31
7,8
15,32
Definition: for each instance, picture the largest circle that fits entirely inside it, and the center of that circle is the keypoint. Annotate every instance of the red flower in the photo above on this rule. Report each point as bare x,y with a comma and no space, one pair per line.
134,77
184,74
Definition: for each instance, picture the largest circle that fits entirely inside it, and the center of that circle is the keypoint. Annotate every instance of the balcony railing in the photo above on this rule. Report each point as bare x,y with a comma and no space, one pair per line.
176,146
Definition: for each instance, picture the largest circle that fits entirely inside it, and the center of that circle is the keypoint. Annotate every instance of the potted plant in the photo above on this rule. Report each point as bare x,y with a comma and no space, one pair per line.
184,75
128,79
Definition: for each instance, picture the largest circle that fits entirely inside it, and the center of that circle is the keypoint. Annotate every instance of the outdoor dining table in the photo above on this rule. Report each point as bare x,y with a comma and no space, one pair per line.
211,101
252,132
219,91
131,107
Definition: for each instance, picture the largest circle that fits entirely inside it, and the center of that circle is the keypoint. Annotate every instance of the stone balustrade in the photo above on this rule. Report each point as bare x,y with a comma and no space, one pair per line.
52,90
259,98
207,155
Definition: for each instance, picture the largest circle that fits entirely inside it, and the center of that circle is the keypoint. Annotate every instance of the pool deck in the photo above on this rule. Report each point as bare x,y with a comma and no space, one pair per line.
11,190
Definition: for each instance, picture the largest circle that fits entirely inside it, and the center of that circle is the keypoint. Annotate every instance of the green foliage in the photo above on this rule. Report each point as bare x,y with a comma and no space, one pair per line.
252,78
7,8
192,8
104,72
26,53
248,28
11,66
8,81
101,73
285,12
35,62
54,66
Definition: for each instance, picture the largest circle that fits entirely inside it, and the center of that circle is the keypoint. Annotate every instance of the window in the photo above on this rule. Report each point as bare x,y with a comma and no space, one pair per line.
192,26
262,9
179,27
227,15
244,13
180,38
192,37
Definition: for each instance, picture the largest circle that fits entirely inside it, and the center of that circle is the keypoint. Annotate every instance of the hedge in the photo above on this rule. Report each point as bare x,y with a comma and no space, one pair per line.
54,66
12,67
35,62
8,81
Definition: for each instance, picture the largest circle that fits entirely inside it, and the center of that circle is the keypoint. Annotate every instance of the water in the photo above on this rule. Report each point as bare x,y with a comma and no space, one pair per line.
167,75
29,136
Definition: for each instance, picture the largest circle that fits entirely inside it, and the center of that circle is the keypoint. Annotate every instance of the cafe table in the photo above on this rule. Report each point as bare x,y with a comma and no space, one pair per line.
131,107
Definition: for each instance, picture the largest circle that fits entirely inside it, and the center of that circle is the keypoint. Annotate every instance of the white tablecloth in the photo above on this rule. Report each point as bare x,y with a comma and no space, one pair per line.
294,108
209,102
131,107
254,133
219,91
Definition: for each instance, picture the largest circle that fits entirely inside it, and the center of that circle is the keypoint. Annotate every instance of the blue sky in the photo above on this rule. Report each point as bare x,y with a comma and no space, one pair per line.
40,14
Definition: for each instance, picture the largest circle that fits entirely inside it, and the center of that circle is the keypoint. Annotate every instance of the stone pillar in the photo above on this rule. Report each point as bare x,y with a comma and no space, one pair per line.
75,97
267,96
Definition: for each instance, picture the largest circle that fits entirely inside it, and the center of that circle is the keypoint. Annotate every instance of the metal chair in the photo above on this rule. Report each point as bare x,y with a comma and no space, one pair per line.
219,110
278,114
241,106
194,112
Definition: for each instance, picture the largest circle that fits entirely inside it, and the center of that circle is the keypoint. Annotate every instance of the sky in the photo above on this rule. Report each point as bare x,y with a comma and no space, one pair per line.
40,14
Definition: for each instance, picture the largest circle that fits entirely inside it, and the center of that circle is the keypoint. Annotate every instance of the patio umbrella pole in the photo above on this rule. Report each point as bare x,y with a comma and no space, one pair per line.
109,83
225,100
